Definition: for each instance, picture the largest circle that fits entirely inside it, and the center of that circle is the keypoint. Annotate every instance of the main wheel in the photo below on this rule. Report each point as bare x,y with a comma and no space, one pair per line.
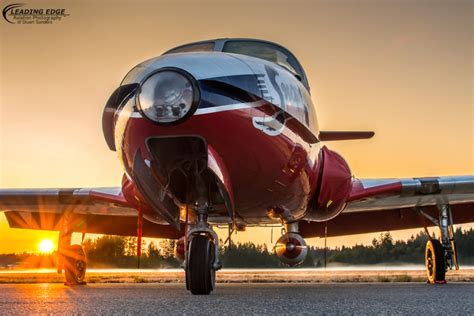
200,275
75,265
435,261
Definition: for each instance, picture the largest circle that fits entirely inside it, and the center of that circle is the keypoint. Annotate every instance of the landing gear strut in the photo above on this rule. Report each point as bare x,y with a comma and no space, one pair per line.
440,255
202,255
71,258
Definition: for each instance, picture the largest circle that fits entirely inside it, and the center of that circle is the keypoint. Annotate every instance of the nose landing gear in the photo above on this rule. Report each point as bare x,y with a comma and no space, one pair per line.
202,255
200,273
440,255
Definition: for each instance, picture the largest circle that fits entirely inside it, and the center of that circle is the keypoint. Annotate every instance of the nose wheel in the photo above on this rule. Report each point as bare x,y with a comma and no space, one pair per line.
202,256
201,244
200,273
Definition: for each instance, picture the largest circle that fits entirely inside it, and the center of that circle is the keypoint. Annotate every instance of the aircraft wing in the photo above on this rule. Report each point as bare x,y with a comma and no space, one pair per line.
93,210
377,205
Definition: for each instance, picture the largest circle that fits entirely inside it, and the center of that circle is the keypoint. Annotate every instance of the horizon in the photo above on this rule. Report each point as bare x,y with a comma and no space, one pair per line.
118,255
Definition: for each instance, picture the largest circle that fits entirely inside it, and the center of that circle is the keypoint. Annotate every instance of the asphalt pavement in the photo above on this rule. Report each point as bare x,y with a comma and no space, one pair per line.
165,299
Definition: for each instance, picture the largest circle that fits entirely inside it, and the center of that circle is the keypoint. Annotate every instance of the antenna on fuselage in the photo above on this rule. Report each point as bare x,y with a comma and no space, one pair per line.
325,244
139,235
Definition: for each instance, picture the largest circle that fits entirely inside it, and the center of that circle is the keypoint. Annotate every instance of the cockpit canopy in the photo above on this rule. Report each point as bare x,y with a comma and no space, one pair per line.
251,47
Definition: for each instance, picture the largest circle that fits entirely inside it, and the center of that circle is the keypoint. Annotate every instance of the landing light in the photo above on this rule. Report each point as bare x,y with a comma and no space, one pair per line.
168,96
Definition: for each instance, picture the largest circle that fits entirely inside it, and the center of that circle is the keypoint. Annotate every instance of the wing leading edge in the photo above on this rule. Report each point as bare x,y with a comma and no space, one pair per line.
98,201
98,210
378,205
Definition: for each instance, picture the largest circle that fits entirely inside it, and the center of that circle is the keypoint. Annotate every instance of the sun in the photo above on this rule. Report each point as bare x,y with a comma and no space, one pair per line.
46,246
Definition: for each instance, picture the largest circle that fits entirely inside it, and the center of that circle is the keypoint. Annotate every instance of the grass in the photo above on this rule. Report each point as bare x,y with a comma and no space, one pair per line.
403,278
241,276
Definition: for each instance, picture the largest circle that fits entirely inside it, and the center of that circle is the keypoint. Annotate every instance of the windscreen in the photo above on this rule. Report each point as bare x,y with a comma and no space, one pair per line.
198,47
267,51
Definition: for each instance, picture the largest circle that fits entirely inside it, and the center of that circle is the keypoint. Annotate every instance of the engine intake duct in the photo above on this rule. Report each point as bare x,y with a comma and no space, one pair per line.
334,187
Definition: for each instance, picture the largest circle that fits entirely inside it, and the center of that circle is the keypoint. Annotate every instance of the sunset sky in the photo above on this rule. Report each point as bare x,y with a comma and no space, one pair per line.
401,68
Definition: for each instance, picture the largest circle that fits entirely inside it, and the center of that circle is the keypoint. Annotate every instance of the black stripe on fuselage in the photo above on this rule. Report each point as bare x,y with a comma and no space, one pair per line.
228,90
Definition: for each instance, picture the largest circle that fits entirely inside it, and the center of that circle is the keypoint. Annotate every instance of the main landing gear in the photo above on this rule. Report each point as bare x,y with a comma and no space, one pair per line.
440,255
71,258
201,260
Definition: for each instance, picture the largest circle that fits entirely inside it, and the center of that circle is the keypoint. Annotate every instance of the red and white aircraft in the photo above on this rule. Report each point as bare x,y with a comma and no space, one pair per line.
223,132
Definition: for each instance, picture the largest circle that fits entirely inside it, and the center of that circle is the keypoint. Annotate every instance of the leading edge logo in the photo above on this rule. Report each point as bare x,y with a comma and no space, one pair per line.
20,13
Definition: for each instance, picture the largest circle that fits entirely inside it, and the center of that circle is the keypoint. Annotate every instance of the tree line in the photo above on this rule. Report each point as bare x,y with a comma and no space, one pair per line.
120,252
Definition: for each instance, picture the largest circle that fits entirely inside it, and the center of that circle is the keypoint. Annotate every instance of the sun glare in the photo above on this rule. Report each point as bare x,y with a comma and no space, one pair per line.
46,246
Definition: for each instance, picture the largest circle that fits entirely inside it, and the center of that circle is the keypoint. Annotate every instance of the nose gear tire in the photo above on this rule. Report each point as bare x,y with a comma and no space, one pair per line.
200,275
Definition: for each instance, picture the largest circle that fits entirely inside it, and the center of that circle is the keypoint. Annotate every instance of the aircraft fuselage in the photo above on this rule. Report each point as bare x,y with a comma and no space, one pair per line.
255,123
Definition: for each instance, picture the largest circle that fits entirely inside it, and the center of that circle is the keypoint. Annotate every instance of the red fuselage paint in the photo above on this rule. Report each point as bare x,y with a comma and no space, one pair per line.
264,172
262,146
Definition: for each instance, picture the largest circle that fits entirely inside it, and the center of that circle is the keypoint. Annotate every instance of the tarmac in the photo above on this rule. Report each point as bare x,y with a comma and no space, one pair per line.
233,299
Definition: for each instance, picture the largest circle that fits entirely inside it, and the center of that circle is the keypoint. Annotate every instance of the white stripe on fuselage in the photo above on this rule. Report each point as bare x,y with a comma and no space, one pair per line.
222,108
215,109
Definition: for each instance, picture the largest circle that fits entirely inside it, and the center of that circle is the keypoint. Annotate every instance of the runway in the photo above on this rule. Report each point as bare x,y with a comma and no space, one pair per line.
347,298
